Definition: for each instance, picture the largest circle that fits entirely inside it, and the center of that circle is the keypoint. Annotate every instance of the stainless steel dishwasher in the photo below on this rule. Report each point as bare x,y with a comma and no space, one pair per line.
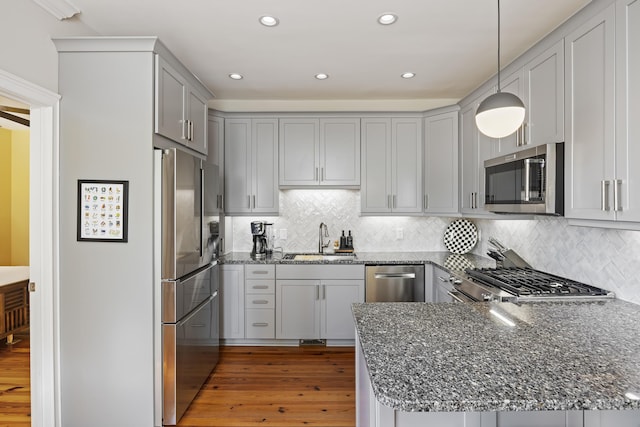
394,283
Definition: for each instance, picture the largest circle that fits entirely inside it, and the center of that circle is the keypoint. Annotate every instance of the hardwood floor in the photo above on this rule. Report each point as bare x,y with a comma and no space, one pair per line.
278,386
15,383
267,386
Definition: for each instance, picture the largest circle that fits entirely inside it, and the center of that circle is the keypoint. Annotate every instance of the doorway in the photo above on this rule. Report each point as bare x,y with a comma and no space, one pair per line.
43,241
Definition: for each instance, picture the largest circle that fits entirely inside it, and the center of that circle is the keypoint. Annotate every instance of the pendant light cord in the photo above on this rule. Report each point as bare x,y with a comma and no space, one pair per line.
498,45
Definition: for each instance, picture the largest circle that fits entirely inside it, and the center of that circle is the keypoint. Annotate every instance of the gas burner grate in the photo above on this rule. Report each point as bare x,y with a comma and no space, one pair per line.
524,282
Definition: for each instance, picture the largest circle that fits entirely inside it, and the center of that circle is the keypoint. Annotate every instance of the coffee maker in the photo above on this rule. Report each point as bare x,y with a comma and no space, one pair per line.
262,240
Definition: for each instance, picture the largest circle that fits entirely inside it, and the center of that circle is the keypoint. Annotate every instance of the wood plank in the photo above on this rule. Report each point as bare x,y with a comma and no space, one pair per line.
278,386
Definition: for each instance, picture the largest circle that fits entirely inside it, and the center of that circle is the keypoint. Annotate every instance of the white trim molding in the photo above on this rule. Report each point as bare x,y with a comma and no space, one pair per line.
61,9
43,244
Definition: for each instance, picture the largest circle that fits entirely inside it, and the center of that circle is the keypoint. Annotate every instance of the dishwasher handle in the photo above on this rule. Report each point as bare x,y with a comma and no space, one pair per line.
395,275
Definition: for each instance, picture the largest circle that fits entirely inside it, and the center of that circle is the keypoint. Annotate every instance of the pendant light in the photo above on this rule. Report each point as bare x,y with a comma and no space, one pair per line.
502,113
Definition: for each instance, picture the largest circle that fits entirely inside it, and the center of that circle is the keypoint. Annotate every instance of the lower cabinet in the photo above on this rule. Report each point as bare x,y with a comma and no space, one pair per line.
232,301
441,285
312,302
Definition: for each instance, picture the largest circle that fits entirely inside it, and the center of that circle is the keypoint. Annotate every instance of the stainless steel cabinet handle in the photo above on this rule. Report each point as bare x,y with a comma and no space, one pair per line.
260,287
525,140
183,131
324,291
425,202
443,279
190,130
604,195
317,291
395,201
260,324
249,201
254,201
260,272
321,174
617,190
222,202
197,325
315,177
389,201
519,137
260,301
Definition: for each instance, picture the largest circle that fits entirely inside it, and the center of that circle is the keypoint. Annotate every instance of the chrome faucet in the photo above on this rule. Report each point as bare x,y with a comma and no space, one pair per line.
321,245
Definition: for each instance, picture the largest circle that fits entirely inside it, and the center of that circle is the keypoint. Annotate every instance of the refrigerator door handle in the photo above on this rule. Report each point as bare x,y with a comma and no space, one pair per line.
202,225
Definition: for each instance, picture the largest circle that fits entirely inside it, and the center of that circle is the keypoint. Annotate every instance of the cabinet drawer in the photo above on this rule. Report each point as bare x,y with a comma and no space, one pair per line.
259,301
260,271
260,323
260,287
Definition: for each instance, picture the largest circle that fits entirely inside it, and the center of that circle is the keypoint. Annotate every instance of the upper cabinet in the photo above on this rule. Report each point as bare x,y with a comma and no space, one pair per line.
475,148
544,94
391,165
180,109
319,152
441,163
590,167
251,166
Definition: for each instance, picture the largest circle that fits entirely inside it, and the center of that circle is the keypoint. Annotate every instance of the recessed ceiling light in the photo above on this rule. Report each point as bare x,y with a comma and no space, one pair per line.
387,19
236,76
269,21
408,75
322,76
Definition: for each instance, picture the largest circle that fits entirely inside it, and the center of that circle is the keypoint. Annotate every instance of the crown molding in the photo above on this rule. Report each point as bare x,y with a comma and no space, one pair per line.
61,9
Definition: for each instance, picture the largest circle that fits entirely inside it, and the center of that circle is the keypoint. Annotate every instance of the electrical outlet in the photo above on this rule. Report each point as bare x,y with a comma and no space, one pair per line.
283,234
399,234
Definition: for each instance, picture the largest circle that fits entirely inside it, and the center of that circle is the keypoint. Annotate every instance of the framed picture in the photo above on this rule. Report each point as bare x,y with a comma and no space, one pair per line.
102,210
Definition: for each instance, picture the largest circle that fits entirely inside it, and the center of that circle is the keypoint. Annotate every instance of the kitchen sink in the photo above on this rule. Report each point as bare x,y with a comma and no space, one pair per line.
318,257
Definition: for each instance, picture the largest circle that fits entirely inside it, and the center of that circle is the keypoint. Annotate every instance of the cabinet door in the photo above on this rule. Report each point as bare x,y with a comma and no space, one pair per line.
590,115
406,165
299,152
197,113
215,151
340,152
514,84
441,163
237,155
232,301
544,88
337,297
264,161
297,309
469,159
169,102
375,192
628,109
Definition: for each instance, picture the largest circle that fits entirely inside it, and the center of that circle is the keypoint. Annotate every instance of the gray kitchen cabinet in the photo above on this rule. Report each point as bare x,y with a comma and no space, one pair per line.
260,301
251,166
441,285
590,147
475,148
513,83
391,166
319,152
544,95
441,163
627,111
314,301
232,313
180,108
215,164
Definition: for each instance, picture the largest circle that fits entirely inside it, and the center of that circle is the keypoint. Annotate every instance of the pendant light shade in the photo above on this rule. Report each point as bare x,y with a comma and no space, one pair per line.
502,113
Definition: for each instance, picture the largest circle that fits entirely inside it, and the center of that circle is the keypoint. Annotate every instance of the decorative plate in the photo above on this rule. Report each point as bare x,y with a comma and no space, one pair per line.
460,236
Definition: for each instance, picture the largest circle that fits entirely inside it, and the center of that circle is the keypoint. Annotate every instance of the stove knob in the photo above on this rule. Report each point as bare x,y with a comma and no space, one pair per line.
487,297
454,281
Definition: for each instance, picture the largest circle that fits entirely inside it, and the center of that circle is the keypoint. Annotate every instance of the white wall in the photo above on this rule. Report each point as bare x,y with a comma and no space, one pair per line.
604,258
25,41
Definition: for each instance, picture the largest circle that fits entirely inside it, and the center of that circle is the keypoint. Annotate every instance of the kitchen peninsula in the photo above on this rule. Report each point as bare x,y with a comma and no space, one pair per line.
555,364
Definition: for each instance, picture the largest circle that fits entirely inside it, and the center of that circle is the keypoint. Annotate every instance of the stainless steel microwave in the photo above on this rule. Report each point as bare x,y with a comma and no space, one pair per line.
527,182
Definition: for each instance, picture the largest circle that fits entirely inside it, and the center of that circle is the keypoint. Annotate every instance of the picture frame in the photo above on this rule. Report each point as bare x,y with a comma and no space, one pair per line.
103,210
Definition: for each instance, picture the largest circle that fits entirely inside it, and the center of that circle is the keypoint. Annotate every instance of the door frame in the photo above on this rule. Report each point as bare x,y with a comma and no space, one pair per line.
43,245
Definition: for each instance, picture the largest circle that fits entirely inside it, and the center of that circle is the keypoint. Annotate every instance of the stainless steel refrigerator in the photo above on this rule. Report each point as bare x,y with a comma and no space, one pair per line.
189,278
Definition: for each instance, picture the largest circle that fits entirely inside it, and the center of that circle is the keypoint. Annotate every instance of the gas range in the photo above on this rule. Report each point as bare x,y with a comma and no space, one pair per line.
518,284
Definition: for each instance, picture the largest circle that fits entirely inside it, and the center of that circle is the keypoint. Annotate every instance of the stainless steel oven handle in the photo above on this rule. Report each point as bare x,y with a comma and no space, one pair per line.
527,180
459,297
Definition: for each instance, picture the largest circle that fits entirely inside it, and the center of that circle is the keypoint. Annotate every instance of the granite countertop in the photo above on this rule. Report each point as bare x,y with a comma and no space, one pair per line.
459,357
447,260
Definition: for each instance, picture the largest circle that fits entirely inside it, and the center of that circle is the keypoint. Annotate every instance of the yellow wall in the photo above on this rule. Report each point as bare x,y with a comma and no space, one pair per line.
5,197
20,198
14,197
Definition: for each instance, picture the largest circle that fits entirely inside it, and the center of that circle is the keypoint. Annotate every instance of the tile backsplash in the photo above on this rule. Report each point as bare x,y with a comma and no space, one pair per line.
606,258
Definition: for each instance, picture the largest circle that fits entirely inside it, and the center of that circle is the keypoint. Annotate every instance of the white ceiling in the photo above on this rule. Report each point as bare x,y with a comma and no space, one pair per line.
449,44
